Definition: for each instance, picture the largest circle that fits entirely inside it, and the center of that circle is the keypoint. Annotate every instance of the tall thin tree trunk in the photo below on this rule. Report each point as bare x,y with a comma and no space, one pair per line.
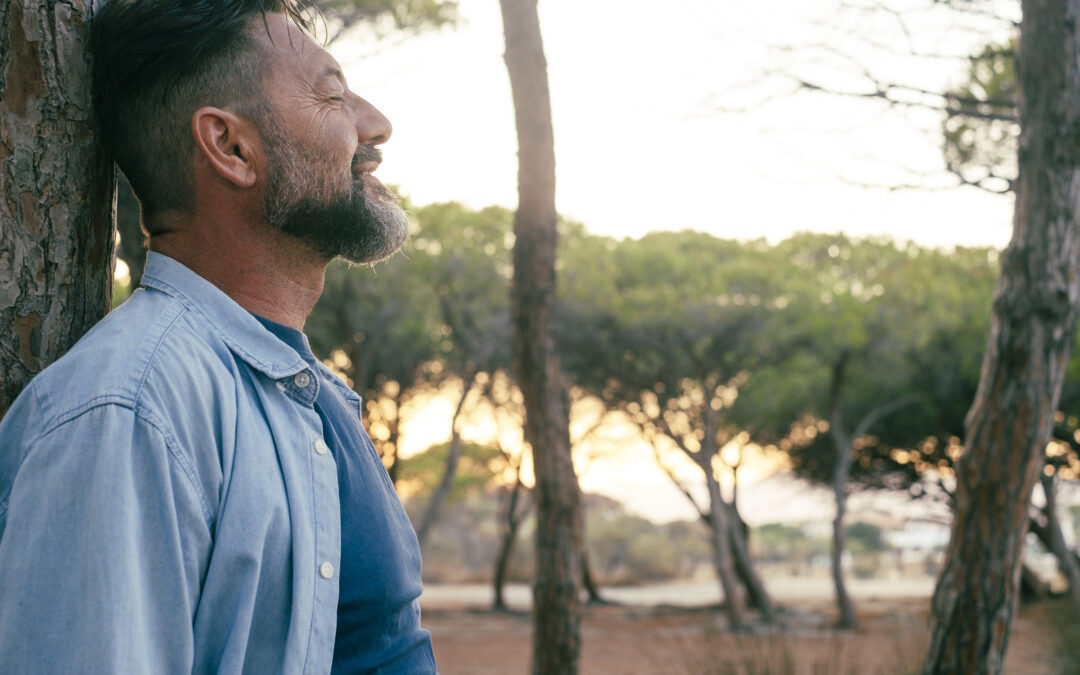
394,425
1032,330
512,521
445,487
556,605
842,467
453,458
847,618
592,591
56,190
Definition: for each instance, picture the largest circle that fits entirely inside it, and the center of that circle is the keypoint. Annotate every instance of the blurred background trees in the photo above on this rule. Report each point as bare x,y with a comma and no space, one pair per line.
850,361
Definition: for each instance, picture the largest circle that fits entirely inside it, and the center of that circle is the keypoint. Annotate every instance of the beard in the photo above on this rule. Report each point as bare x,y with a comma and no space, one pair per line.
343,217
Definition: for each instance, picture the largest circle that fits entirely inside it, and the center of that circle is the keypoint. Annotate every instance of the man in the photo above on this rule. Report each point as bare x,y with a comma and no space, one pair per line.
189,489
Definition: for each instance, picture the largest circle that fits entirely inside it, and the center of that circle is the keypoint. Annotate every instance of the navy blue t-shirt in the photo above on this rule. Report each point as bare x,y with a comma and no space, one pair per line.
378,621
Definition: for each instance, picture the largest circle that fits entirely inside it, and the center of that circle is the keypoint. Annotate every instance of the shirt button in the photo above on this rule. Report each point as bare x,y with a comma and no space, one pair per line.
321,447
326,570
280,385
302,380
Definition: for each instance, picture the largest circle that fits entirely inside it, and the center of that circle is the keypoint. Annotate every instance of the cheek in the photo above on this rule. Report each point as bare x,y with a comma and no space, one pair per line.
338,133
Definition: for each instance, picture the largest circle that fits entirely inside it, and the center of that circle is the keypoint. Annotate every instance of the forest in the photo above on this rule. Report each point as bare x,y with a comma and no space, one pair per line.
940,376
704,349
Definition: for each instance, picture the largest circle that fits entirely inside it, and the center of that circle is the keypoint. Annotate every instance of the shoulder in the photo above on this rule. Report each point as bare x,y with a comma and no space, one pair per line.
153,354
149,370
146,342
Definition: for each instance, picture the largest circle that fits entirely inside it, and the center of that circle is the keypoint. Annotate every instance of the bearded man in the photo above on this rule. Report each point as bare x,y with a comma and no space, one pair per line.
189,489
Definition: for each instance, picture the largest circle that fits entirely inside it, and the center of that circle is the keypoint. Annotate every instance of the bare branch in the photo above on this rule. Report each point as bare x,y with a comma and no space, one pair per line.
880,412
670,473
973,10
885,91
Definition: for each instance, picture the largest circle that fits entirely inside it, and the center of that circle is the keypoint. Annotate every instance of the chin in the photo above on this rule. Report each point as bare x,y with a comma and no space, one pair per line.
380,238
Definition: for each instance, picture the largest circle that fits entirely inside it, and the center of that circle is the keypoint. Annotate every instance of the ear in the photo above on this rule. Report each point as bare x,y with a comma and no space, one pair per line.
227,141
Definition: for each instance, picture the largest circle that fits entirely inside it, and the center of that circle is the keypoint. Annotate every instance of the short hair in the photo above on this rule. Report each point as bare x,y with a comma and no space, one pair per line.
155,62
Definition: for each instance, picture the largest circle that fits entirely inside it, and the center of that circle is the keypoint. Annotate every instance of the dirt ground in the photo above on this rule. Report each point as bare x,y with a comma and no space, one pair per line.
637,640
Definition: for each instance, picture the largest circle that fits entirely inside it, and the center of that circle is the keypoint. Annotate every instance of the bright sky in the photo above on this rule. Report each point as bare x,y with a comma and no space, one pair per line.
641,142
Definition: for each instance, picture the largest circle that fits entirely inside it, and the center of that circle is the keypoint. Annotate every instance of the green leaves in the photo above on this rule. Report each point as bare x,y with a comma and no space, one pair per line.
699,339
695,338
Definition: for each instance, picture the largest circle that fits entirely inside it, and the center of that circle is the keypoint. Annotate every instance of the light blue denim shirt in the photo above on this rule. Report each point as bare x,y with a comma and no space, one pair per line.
167,504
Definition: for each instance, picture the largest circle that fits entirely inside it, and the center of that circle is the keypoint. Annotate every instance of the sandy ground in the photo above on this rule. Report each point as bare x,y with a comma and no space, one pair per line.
634,639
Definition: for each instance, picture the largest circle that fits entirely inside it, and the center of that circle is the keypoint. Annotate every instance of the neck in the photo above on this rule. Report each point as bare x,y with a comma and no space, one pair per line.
264,271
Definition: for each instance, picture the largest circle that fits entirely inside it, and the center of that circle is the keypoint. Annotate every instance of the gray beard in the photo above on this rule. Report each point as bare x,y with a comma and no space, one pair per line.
336,219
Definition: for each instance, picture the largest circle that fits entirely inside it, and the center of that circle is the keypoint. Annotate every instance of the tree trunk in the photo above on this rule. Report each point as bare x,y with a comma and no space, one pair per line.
446,484
744,567
1056,540
394,425
1032,587
512,521
56,190
843,444
843,600
592,591
737,534
1031,336
556,605
1042,531
722,556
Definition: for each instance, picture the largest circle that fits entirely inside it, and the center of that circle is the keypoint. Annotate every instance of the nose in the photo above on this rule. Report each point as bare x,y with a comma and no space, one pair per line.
372,127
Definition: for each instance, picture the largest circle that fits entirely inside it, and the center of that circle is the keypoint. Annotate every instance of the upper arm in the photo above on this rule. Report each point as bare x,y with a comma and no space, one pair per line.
103,546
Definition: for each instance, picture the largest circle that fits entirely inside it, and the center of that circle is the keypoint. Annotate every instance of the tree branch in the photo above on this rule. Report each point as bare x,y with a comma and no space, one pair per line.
872,417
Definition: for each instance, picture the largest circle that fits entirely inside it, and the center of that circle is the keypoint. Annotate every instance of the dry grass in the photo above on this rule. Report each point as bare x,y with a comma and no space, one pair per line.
633,640
812,653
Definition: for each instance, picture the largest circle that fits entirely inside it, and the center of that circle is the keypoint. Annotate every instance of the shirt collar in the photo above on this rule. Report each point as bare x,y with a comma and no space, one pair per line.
237,328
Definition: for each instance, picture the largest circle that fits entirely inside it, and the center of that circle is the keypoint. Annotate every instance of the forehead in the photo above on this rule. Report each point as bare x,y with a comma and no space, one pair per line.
287,47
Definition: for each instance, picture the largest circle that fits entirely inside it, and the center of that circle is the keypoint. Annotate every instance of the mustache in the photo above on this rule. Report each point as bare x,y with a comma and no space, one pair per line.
367,153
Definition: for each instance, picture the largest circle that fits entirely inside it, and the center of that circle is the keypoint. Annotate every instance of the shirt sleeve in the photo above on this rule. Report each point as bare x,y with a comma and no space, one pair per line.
103,546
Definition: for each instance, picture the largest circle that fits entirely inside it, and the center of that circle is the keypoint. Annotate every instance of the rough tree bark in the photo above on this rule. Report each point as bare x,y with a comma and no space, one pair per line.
1033,326
556,605
56,190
